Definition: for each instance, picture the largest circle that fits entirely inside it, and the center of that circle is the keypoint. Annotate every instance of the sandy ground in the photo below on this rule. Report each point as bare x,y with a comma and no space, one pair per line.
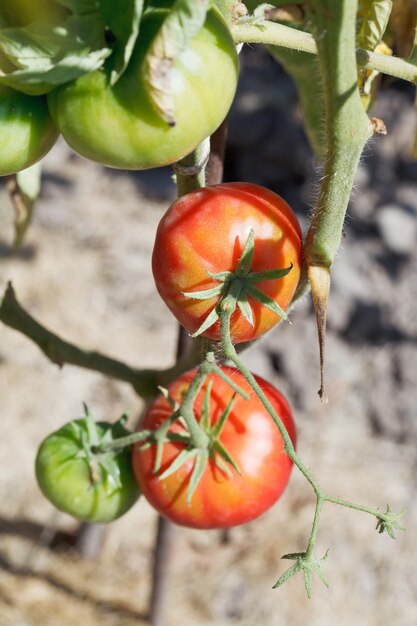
85,273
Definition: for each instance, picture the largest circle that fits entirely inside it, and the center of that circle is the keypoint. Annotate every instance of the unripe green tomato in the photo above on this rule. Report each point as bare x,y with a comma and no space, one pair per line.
27,131
81,485
118,126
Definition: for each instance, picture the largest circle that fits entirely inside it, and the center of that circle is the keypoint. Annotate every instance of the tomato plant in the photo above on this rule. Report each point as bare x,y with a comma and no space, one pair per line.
204,233
91,487
251,438
118,126
27,131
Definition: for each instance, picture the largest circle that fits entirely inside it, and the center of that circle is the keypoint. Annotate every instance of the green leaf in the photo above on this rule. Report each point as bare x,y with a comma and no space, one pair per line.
184,20
374,24
124,25
46,55
24,188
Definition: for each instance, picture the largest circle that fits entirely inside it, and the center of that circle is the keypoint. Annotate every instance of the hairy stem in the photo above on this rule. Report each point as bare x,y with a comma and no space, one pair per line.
61,352
347,126
269,33
230,353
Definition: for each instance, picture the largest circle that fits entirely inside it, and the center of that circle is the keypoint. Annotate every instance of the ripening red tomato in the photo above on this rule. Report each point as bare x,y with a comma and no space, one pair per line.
206,231
250,437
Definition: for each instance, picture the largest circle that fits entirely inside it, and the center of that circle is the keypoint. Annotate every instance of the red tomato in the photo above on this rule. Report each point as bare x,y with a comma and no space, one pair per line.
205,231
251,438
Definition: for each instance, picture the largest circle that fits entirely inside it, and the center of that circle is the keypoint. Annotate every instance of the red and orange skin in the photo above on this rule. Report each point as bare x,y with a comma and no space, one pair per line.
206,230
251,438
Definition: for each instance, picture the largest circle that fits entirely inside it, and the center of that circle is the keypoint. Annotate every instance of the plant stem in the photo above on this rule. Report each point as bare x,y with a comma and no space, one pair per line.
190,171
230,353
347,126
356,507
61,352
198,437
270,33
321,497
315,526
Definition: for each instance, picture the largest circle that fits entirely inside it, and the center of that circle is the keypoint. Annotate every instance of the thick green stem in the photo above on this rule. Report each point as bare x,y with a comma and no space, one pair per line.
61,352
347,126
190,171
269,33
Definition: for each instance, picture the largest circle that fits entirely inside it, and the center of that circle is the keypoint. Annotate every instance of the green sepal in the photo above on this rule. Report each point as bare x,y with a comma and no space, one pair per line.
224,454
235,287
200,464
205,410
390,523
205,294
257,277
208,322
160,438
266,301
217,429
246,309
219,372
168,397
183,457
246,259
308,564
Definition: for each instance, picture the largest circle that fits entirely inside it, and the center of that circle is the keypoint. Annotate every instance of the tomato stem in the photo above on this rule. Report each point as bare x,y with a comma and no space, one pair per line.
230,353
271,33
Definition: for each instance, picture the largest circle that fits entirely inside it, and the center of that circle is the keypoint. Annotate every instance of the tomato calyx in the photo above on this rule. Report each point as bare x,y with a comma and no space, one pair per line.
213,451
101,467
389,522
236,287
306,563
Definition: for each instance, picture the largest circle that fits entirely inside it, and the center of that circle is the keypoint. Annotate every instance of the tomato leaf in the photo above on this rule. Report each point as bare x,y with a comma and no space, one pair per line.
124,25
374,24
24,189
184,20
46,55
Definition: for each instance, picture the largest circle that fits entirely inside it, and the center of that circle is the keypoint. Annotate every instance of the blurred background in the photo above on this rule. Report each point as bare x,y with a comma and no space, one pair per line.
84,272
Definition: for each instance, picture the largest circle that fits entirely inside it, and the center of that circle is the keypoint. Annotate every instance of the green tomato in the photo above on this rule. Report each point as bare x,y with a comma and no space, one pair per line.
118,126
27,131
88,486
